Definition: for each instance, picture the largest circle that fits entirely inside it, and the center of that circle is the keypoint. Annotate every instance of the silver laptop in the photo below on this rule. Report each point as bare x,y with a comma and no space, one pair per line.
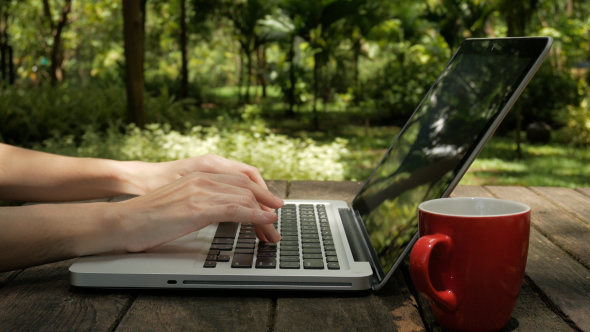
328,245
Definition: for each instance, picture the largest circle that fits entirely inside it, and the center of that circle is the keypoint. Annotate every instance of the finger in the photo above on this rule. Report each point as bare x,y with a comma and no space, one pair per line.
216,164
267,233
262,195
238,213
260,234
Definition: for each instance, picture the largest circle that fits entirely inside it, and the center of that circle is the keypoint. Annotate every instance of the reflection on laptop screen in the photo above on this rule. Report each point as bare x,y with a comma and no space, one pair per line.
438,139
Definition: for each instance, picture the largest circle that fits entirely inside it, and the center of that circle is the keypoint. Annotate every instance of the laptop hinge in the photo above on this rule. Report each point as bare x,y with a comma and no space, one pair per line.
358,240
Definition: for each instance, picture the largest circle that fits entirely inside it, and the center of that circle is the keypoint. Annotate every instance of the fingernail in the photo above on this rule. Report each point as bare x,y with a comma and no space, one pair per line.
269,216
279,201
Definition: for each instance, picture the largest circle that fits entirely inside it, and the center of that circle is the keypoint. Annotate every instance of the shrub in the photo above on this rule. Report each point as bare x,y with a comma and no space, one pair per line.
276,156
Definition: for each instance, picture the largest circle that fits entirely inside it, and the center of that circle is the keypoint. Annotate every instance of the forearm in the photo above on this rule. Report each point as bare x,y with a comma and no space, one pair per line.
38,234
27,175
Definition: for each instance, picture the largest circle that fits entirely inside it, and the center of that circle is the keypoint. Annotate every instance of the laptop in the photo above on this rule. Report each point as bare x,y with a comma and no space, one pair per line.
328,245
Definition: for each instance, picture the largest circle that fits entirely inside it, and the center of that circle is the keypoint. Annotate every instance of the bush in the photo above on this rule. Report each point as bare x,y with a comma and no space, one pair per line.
40,113
276,156
577,123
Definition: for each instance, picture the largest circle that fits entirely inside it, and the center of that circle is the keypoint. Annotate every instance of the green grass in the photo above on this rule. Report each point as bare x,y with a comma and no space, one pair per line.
553,165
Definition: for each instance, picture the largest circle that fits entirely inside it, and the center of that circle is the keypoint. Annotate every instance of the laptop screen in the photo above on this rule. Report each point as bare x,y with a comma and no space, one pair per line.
439,138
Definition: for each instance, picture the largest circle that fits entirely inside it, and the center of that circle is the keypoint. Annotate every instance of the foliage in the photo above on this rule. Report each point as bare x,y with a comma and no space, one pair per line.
276,156
577,123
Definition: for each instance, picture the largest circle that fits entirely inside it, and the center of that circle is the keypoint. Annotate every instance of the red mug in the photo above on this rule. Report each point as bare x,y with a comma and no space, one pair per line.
470,259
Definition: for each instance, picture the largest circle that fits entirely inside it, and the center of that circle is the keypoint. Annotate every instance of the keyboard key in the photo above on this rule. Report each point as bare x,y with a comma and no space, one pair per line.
289,265
247,236
289,234
246,240
267,244
327,237
213,252
329,247
267,254
312,256
333,266
289,238
242,261
289,247
311,245
222,247
332,259
266,263
247,231
210,264
313,264
328,242
309,231
223,240
266,248
312,250
309,236
289,243
211,257
245,246
289,253
223,258
244,251
226,230
289,258
330,253
310,240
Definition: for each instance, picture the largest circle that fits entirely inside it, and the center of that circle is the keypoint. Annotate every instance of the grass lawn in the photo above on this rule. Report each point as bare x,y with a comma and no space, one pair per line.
542,165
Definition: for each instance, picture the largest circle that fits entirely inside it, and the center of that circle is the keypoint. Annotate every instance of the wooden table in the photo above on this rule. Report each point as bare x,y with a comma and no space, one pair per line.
555,295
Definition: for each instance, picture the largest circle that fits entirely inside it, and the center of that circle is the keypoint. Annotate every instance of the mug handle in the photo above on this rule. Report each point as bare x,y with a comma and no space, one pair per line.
419,262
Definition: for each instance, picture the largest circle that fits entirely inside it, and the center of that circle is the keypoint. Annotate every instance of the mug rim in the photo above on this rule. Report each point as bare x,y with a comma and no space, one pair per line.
425,207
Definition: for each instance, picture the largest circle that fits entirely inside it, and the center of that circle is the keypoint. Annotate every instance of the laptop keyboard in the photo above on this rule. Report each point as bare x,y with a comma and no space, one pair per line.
306,242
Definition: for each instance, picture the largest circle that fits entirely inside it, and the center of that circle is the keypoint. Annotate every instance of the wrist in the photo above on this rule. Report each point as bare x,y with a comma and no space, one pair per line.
102,230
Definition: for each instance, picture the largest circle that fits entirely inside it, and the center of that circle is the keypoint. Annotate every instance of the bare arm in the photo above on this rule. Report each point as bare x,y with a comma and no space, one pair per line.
27,175
176,198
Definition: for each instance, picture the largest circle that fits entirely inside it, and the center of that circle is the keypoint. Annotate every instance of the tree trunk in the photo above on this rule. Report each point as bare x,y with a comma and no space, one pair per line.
261,53
292,79
133,36
56,72
248,75
316,79
183,50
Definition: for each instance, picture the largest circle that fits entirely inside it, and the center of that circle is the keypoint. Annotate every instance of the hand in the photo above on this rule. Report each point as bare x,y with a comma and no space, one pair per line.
193,202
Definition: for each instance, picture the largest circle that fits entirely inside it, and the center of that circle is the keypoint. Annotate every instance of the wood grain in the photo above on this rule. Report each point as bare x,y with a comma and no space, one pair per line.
561,228
564,282
197,311
41,299
568,199
5,277
585,191
345,191
278,187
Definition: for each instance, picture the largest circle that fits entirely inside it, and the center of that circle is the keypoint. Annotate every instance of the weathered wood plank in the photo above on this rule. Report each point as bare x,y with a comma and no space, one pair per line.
197,311
585,191
345,190
568,233
278,187
531,313
5,277
568,199
391,309
41,299
202,310
564,282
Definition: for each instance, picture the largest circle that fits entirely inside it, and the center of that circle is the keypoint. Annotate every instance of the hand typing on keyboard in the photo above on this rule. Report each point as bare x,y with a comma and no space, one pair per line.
175,198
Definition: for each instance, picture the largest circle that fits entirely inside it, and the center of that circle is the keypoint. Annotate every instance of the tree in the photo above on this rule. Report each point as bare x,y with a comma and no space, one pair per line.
6,51
57,70
133,36
183,43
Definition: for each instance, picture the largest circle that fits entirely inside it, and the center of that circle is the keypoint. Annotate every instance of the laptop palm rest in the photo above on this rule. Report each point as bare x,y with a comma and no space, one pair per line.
355,239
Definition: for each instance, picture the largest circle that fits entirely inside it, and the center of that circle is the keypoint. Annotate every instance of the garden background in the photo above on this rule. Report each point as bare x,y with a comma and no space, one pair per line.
302,89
